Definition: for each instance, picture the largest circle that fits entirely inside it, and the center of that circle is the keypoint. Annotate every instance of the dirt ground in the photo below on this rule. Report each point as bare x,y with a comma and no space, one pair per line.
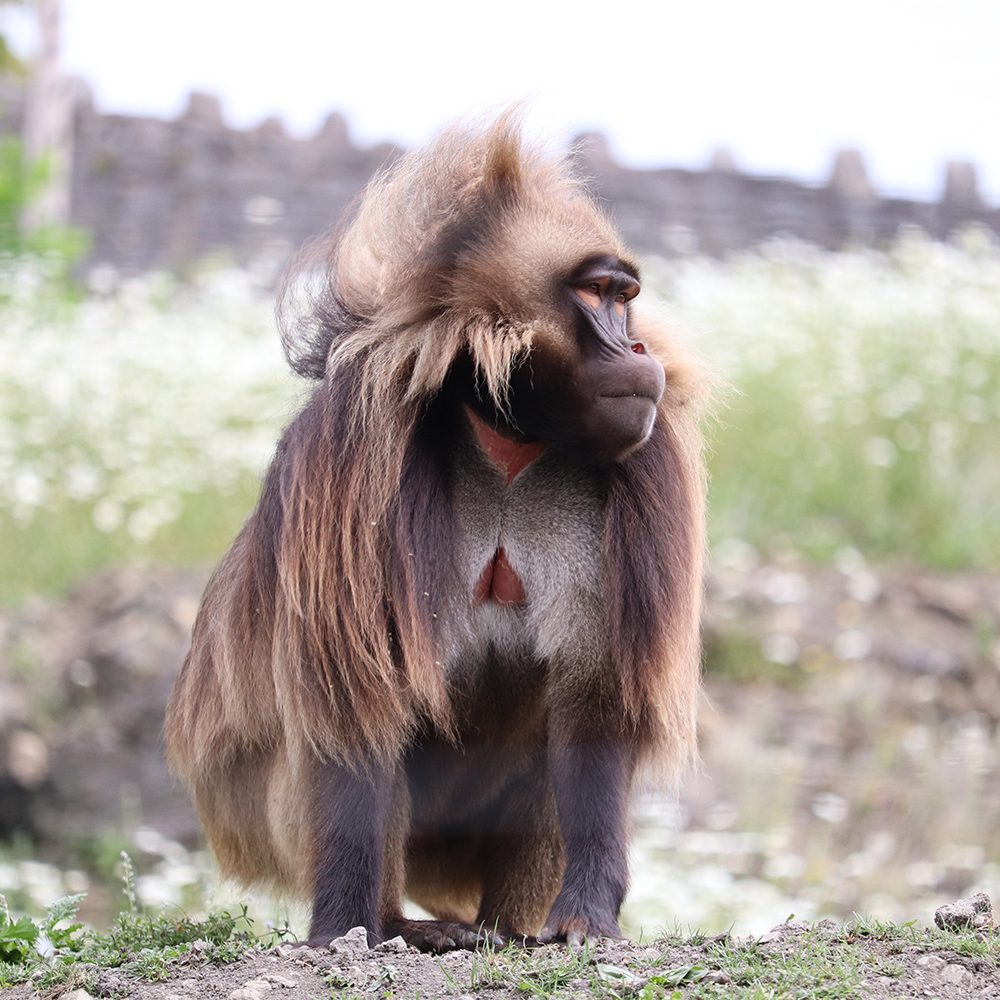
792,961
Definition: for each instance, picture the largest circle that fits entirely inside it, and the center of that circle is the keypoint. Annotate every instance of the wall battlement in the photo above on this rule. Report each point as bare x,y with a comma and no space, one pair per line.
157,193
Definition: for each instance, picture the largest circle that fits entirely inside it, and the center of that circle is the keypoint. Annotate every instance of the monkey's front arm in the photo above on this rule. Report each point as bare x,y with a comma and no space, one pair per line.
592,777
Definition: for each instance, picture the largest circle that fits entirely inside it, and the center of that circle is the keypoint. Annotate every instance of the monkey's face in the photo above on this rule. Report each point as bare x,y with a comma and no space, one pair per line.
594,392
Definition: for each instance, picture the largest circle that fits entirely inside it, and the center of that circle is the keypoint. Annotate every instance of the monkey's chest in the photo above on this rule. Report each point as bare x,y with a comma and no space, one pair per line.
530,559
499,582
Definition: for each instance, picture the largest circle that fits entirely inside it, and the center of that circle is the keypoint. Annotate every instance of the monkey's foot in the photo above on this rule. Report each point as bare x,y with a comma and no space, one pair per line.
576,930
443,935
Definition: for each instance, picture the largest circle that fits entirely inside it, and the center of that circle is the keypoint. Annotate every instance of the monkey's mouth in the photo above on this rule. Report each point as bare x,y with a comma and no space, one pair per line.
629,395
620,422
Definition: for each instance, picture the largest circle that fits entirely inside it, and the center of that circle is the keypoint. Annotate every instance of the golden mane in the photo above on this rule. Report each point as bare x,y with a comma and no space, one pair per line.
319,626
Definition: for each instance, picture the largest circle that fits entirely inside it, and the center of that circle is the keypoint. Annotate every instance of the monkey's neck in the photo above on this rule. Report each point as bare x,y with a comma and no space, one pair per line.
508,455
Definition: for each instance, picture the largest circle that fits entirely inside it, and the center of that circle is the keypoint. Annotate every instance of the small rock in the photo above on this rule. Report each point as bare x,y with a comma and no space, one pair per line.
393,944
354,942
282,981
356,976
790,927
932,963
252,989
77,995
285,950
973,911
781,932
957,975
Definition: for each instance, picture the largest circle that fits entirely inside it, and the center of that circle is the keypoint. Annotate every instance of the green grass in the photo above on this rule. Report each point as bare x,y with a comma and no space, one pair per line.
55,951
821,962
51,554
866,402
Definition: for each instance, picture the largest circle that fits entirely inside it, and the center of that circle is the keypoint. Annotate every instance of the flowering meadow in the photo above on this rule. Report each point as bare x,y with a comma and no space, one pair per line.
866,410
861,407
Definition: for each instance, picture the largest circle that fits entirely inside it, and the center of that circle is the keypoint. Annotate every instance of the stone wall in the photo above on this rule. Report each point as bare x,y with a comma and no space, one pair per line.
157,193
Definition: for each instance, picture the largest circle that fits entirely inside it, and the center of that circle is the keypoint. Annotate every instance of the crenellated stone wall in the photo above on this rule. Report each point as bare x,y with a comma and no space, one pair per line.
157,193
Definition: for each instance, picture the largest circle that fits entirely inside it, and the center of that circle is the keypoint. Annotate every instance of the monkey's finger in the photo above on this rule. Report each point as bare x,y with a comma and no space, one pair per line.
489,938
437,941
432,939
527,941
469,939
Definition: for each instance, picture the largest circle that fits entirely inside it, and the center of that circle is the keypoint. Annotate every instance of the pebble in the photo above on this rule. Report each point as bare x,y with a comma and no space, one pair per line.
77,995
957,975
283,981
972,911
356,976
393,944
932,963
252,989
354,942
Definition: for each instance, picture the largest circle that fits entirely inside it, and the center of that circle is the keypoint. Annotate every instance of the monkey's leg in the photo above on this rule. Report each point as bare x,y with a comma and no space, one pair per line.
522,860
443,877
592,777
350,814
427,935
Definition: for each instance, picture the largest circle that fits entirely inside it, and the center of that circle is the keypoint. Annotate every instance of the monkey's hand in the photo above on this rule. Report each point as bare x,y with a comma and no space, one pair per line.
574,924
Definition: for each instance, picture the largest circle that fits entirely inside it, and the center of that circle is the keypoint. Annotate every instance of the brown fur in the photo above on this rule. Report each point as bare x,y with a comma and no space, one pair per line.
317,637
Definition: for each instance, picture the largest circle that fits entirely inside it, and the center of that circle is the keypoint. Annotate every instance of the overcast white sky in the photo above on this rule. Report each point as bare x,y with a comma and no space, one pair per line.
782,83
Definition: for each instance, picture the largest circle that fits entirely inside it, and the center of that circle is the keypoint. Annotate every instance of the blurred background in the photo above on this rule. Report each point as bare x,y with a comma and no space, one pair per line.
813,191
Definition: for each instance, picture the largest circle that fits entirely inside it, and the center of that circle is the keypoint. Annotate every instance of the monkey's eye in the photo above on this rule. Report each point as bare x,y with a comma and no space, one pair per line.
590,293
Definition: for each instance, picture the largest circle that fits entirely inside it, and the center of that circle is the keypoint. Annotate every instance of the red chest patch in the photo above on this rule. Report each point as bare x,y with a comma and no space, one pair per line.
509,456
498,582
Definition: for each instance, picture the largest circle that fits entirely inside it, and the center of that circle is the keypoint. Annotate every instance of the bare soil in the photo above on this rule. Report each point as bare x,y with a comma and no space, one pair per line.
793,961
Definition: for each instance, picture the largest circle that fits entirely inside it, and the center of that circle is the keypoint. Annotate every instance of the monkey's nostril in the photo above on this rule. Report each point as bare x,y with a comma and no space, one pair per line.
638,348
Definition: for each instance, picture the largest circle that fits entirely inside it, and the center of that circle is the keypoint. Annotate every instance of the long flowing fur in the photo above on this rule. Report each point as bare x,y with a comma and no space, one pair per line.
318,630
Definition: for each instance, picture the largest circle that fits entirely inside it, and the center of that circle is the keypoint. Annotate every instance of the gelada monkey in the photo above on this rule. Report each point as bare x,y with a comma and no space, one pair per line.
463,617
